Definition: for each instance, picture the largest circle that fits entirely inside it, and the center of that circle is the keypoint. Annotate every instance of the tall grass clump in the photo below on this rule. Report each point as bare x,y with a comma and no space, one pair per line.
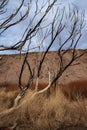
42,113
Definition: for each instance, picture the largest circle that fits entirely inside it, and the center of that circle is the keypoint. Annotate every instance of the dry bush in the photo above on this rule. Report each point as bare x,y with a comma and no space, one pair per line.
41,113
51,114
6,99
75,89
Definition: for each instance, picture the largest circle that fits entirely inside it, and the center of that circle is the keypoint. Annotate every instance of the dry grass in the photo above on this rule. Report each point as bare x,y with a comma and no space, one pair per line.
6,99
40,113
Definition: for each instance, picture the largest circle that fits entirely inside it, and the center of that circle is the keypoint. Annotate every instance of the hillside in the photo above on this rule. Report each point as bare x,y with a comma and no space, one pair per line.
10,66
35,111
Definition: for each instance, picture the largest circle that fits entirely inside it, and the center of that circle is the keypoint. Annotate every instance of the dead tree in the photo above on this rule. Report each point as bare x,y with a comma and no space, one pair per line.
6,115
55,32
50,33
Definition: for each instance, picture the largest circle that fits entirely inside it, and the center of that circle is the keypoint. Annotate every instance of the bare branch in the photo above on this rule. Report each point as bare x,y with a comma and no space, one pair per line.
43,90
30,31
3,3
21,73
6,24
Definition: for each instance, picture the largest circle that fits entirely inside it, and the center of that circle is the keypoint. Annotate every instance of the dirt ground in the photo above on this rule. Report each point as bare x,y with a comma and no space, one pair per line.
10,66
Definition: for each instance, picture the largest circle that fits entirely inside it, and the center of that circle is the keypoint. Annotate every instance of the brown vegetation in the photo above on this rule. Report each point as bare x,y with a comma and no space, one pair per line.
72,90
40,113
36,112
75,89
9,87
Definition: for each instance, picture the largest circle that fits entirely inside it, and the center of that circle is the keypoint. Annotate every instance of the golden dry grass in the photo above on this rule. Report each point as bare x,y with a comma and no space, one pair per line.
40,113
6,99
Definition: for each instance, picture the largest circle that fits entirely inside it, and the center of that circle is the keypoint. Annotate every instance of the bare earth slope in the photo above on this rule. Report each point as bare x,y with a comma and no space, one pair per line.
10,66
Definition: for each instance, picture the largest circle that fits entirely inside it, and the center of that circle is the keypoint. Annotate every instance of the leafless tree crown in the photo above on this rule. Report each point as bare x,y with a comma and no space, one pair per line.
63,31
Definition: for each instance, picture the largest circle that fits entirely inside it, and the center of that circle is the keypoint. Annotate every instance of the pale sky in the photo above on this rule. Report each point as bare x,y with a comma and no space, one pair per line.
13,34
